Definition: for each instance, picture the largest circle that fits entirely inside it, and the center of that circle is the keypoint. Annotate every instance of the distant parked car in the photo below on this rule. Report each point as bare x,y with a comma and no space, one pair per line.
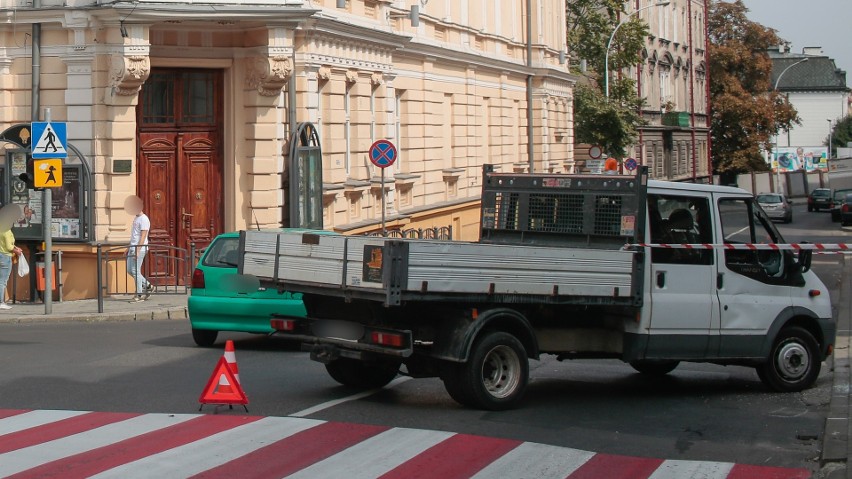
216,302
776,206
837,202
819,199
846,210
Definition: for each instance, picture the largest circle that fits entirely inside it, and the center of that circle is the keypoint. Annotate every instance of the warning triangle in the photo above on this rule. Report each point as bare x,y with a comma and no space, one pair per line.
222,387
49,143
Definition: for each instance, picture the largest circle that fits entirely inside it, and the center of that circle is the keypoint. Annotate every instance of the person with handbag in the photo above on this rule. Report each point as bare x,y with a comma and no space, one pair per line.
7,251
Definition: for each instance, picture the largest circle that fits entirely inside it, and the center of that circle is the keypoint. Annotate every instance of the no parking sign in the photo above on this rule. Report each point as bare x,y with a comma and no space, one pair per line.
383,153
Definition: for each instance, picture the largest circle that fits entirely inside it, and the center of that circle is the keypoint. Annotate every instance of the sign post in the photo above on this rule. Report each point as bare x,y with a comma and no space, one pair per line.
383,154
49,146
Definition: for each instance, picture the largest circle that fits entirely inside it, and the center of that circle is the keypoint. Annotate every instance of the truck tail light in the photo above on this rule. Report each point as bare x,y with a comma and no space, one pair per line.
283,324
198,279
387,339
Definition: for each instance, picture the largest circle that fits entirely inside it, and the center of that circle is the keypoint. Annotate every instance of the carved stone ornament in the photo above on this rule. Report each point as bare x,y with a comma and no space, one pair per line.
324,73
268,75
351,76
376,79
128,73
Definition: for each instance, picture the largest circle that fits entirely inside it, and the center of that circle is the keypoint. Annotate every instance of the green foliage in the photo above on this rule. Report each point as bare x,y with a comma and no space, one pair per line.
746,111
841,134
611,124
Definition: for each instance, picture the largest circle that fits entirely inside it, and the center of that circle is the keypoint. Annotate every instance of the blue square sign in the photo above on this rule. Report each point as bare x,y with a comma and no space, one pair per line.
49,139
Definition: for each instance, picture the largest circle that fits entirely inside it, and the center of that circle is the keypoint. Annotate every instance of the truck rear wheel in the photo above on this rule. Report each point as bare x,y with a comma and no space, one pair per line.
793,363
651,367
494,377
361,374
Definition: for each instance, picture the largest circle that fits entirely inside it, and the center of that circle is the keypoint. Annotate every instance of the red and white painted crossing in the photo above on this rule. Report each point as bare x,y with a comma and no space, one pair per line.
71,444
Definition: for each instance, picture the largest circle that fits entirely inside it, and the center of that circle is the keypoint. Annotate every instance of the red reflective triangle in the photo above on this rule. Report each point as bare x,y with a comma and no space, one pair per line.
222,387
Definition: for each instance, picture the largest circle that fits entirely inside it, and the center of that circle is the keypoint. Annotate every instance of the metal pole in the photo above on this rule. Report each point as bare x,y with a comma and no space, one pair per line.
100,280
778,163
611,37
47,214
384,231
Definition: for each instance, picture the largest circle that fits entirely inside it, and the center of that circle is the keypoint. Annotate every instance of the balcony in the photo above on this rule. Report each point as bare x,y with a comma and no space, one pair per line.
676,118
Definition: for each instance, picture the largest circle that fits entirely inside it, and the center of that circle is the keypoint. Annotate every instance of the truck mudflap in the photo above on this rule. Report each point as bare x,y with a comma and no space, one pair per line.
328,339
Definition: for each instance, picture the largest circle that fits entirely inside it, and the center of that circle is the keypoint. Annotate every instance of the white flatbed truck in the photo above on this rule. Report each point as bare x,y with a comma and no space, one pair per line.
559,269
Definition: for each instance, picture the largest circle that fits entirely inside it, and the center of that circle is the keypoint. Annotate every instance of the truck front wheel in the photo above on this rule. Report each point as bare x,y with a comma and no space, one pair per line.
651,367
793,364
361,374
494,377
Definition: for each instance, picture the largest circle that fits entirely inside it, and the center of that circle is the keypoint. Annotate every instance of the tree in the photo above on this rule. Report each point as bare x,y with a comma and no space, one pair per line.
608,122
746,111
841,135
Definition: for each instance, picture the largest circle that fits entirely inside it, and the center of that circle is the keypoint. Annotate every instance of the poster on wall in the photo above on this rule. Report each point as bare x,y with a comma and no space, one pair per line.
65,222
29,225
808,158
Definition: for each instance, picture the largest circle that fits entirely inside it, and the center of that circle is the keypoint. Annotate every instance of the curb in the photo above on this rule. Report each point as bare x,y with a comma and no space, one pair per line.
834,456
150,315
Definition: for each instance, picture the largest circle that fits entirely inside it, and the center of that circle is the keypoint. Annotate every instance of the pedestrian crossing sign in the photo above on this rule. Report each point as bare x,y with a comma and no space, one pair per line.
50,139
47,173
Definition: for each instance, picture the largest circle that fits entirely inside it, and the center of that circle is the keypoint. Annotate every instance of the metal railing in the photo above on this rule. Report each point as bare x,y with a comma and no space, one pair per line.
437,232
167,268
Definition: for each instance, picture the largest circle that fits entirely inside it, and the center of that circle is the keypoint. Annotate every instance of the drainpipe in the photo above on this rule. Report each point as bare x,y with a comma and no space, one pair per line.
692,92
707,92
640,154
530,136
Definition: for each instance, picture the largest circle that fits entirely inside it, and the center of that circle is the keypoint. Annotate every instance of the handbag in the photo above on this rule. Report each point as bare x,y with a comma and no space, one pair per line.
23,266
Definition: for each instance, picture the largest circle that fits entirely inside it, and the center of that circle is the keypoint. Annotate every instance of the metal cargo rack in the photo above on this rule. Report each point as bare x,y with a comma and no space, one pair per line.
589,211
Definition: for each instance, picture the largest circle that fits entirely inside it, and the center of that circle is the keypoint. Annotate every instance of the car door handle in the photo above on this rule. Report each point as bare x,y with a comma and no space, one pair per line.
661,279
720,280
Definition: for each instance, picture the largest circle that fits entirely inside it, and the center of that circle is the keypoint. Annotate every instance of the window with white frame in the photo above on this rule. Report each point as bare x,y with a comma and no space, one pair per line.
347,128
397,128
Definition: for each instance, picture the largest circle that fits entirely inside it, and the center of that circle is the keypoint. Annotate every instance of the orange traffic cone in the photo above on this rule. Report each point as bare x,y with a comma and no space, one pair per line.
231,359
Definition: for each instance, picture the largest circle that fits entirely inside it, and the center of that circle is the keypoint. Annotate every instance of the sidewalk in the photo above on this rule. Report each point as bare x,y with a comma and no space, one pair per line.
116,308
836,447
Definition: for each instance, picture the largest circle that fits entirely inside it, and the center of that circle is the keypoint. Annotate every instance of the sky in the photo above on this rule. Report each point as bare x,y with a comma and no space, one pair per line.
810,23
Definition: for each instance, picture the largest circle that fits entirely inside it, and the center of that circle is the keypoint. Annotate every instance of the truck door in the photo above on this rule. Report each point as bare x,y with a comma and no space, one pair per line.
683,306
753,286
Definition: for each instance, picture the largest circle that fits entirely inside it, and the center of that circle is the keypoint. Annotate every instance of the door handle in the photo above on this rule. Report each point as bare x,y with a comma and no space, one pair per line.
720,280
184,213
661,279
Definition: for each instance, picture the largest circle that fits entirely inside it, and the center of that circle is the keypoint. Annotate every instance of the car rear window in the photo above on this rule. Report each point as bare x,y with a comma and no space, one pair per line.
769,199
840,194
223,253
821,193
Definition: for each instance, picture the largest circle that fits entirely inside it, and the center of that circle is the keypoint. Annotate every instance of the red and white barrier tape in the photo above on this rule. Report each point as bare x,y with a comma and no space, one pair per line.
819,248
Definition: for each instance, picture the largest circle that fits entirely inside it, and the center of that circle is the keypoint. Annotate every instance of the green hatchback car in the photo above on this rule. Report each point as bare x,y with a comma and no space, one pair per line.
215,304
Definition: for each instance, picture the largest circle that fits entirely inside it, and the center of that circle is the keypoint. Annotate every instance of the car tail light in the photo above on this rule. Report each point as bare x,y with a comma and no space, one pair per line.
283,324
831,204
387,339
198,279
845,208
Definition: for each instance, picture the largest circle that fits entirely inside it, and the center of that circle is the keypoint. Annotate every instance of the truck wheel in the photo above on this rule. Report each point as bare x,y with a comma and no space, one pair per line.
361,374
204,337
494,377
651,367
793,363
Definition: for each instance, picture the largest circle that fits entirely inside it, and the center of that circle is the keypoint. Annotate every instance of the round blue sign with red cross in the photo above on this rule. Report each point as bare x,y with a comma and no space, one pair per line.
383,153
631,164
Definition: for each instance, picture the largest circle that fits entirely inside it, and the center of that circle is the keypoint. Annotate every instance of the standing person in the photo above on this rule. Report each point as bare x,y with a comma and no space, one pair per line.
138,247
7,251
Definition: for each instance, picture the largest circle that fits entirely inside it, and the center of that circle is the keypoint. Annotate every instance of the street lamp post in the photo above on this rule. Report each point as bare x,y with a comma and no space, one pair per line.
828,156
611,37
777,163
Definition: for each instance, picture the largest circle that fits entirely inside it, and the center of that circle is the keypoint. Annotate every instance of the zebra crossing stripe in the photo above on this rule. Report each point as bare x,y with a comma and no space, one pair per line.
70,444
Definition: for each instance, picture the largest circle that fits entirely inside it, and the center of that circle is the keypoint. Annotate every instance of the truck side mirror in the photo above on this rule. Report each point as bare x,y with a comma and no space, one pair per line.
805,256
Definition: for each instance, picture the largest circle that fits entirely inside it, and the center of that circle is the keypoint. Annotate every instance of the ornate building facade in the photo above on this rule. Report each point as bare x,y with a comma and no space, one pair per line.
194,107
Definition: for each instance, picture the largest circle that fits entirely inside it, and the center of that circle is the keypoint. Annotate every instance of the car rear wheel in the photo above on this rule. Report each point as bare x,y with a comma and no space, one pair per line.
362,374
204,337
654,367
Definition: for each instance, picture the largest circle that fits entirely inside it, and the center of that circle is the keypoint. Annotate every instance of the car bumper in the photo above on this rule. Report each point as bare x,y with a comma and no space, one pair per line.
249,315
778,214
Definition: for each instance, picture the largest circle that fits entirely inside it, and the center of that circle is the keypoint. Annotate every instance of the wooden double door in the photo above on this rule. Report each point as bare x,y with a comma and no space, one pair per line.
179,159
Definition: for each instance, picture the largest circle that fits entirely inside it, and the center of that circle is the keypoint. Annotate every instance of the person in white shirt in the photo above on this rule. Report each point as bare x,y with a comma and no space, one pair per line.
138,247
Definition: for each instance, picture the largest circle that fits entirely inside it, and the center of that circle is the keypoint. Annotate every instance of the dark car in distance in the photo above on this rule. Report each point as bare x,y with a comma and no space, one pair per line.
846,210
819,199
837,197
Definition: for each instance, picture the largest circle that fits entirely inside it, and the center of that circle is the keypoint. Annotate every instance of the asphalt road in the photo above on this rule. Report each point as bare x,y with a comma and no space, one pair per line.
700,412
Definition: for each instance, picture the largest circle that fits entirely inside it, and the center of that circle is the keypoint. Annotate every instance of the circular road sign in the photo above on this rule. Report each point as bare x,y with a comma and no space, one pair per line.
630,164
383,153
595,152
